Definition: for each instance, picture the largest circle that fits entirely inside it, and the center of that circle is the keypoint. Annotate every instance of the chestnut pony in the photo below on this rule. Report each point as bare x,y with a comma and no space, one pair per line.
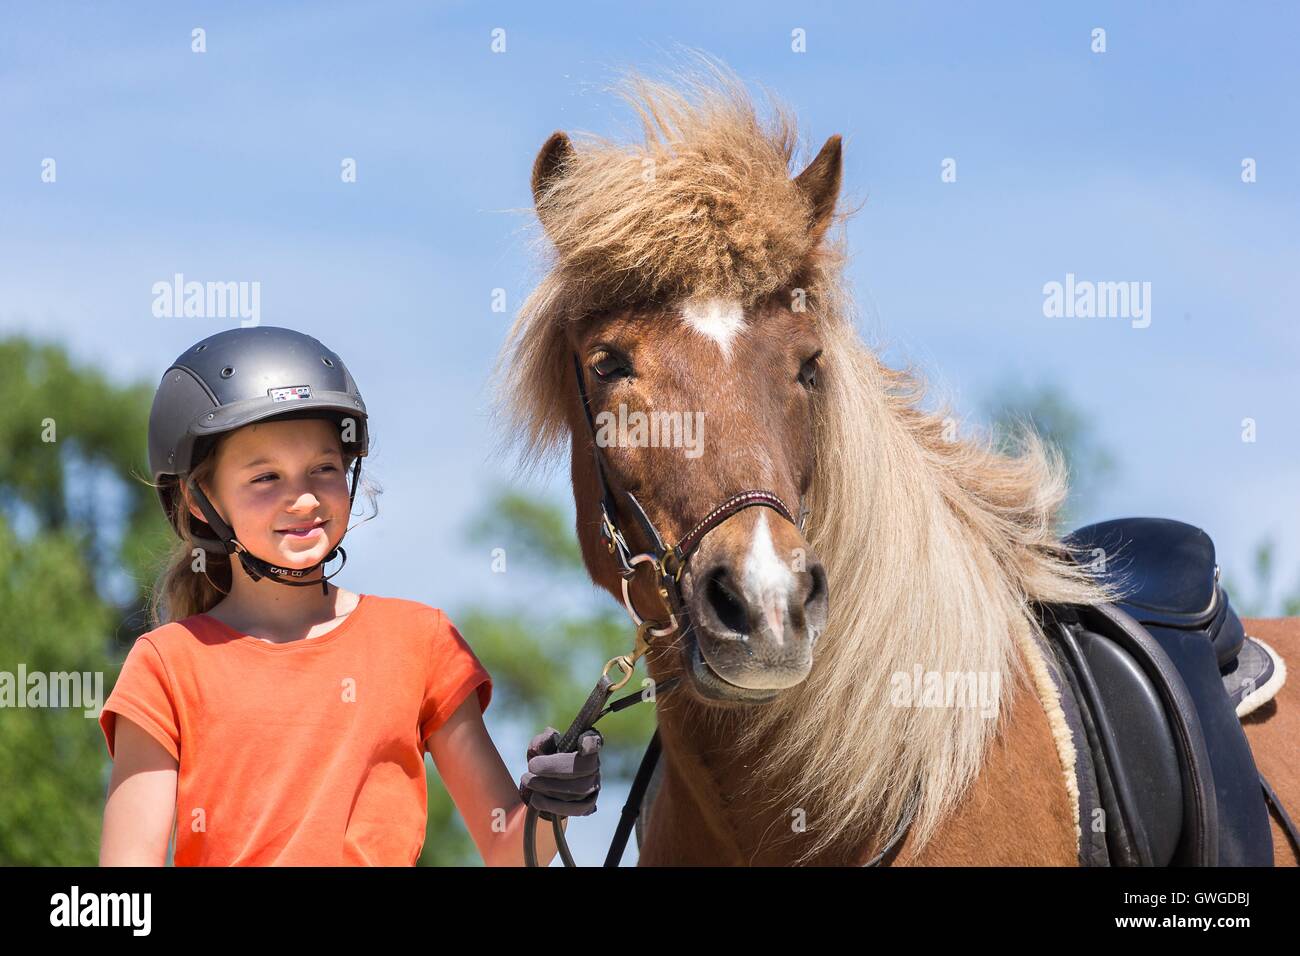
700,287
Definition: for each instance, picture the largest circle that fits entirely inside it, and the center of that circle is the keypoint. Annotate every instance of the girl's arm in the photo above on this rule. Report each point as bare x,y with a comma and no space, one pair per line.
141,805
483,790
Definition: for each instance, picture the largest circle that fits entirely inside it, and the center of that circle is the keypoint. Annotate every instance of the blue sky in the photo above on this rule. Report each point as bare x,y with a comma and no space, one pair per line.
1118,166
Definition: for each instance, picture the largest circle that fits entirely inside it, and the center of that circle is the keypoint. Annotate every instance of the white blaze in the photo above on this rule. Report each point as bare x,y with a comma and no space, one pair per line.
718,319
767,581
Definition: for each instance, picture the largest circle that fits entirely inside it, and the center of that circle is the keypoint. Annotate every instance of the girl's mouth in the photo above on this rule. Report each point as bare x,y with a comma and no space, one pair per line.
306,531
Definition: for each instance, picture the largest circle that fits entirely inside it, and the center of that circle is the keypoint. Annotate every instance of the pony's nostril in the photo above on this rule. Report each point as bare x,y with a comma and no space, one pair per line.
817,596
818,588
729,608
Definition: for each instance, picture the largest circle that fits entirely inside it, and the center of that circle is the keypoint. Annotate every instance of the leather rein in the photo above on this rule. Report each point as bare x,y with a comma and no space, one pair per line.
668,563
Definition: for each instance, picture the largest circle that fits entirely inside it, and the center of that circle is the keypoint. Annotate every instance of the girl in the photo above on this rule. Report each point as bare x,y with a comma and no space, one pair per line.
279,719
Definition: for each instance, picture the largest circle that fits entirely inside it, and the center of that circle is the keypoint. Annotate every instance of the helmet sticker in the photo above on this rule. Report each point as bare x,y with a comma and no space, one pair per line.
290,394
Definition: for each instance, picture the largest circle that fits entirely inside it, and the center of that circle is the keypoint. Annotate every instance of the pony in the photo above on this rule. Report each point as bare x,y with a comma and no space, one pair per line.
692,276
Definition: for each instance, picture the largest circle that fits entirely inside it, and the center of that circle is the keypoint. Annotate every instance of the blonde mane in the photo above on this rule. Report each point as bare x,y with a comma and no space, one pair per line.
934,544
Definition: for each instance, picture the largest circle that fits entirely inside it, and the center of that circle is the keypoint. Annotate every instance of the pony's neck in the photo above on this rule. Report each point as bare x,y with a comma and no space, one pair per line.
710,792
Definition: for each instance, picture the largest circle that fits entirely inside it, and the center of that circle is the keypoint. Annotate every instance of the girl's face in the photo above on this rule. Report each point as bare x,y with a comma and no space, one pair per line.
282,488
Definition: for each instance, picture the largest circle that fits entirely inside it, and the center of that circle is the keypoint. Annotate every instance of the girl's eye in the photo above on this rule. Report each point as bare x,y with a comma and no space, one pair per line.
263,478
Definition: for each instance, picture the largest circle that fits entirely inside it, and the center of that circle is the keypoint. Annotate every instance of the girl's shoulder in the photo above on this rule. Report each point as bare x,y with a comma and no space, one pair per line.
169,635
403,613
398,607
375,609
421,628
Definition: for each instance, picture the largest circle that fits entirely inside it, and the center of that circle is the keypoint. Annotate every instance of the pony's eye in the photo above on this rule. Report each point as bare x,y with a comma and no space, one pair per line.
609,366
808,371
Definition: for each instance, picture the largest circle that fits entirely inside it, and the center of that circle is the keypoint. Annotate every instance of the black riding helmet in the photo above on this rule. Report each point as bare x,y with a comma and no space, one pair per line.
233,379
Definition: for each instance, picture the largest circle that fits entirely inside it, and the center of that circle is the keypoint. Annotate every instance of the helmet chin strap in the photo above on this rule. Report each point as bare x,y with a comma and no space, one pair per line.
255,567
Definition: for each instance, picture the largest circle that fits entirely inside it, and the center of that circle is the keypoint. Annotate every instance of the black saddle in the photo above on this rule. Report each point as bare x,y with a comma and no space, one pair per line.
1165,772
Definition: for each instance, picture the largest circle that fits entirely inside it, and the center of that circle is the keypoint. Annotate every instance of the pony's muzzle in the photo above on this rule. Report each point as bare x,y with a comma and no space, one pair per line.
759,603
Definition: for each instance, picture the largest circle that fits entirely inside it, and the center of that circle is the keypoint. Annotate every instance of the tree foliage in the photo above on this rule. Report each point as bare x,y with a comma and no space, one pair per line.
73,574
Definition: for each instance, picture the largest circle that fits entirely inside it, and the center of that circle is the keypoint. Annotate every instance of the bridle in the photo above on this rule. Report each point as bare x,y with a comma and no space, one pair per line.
667,563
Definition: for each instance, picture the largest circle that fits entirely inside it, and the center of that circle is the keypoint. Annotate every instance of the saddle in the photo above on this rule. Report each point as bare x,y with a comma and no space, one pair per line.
1153,689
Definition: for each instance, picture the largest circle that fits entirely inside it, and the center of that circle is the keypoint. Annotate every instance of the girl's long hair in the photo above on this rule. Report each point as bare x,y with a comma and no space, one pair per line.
192,580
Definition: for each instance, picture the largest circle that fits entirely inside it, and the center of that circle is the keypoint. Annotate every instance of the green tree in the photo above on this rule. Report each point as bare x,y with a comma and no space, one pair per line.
76,538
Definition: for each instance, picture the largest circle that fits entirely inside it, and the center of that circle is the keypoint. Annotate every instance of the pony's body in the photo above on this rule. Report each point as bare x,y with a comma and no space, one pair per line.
1017,813
1274,730
1013,815
694,274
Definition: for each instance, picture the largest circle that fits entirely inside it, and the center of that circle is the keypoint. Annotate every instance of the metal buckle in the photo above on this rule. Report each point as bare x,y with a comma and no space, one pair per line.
607,529
627,662
617,545
662,567
627,598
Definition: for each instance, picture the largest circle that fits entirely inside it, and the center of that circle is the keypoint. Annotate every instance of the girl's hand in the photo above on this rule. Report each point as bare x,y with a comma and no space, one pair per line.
562,784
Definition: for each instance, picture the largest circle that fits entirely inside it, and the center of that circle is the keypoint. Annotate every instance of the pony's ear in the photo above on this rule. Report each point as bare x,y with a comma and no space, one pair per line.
554,153
820,182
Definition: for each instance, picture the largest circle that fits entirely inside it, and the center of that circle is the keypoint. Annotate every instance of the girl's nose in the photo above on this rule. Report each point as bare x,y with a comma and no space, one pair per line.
305,500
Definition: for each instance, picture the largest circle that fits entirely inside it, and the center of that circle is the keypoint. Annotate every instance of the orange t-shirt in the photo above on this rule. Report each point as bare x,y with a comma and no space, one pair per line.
309,753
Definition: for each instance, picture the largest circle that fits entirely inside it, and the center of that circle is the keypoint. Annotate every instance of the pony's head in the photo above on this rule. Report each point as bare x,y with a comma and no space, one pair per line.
696,274
689,290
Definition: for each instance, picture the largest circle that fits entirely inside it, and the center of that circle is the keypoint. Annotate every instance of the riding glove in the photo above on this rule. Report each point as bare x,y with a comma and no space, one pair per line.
563,784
